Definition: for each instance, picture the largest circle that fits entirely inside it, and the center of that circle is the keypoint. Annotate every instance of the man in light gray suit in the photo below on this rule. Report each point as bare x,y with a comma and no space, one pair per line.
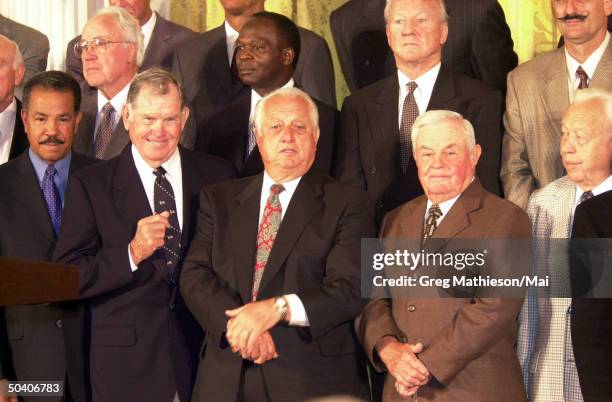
545,342
34,47
540,90
111,49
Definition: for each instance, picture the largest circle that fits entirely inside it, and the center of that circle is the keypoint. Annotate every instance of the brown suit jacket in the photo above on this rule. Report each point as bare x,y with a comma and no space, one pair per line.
468,342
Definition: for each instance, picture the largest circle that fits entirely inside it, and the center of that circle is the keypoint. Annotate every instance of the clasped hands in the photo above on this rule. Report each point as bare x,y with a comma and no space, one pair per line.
248,330
403,364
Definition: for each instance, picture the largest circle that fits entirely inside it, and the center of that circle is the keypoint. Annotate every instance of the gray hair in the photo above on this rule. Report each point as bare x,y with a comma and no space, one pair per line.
17,56
129,27
290,92
157,79
435,117
441,7
601,97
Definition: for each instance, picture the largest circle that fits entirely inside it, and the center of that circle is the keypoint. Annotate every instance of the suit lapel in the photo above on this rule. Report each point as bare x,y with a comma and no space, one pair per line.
239,129
20,140
191,185
554,93
443,91
83,142
411,220
303,205
158,45
130,200
601,78
218,63
30,196
243,228
118,141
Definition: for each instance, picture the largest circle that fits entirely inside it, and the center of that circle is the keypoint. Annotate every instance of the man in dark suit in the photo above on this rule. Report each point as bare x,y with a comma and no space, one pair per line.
457,348
128,224
266,54
45,342
203,65
111,50
591,319
34,47
374,141
13,140
479,42
161,39
277,303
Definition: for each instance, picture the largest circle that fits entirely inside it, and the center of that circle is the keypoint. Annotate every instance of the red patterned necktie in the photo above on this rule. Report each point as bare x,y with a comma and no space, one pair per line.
270,222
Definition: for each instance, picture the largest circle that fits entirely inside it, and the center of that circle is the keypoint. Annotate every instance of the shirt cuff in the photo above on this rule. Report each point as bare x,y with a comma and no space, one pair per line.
132,265
298,312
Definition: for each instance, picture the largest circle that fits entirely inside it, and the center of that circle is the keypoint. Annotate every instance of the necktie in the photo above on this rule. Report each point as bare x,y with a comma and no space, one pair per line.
584,78
410,111
52,198
105,130
587,195
163,199
431,223
266,235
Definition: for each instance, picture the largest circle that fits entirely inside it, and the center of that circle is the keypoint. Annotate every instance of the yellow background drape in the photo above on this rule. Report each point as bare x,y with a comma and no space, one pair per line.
530,21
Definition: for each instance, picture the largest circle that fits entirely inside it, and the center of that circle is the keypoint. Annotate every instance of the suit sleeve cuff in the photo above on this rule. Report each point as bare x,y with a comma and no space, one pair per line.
298,312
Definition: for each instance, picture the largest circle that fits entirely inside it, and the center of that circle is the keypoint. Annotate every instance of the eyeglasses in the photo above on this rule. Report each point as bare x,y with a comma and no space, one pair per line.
96,45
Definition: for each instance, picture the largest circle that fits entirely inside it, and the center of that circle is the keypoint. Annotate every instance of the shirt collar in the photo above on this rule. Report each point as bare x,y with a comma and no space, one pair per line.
147,29
118,100
62,166
230,41
602,187
425,82
172,166
590,64
290,185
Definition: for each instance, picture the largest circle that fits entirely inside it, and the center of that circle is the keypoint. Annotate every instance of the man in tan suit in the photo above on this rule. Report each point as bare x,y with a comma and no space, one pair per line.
540,90
454,349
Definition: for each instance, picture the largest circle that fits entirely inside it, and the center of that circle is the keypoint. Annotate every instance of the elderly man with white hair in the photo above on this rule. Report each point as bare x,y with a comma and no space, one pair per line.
546,344
111,49
460,348
13,140
272,274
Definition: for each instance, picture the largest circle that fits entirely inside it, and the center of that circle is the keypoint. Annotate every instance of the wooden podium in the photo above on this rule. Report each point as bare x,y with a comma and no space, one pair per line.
33,282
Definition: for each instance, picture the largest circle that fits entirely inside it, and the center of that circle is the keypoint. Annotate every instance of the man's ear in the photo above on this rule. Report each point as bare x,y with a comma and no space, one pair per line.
288,54
19,74
127,115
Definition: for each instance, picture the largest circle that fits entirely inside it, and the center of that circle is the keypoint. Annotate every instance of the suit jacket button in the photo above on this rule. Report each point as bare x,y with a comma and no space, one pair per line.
59,323
379,206
172,305
373,169
412,308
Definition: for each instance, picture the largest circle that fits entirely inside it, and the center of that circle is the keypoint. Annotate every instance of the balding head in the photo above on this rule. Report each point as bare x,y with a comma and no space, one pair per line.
11,70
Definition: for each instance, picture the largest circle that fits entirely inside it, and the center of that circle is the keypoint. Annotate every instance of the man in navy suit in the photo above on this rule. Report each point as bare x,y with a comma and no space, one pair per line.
128,224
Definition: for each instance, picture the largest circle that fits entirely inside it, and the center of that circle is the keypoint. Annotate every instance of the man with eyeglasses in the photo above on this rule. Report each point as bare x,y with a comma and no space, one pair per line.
111,49
161,39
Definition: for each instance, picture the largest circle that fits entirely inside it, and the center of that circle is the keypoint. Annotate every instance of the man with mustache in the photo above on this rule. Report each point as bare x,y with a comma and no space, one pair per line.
45,342
540,90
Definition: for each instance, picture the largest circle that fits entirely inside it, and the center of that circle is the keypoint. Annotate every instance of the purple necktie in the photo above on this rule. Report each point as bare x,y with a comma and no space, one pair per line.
52,198
105,130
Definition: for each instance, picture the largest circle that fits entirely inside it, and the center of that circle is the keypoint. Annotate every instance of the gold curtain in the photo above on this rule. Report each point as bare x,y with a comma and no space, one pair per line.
530,21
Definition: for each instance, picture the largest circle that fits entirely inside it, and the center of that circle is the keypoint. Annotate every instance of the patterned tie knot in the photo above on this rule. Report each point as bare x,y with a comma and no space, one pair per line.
585,196
160,172
584,78
107,108
51,171
276,189
412,85
434,212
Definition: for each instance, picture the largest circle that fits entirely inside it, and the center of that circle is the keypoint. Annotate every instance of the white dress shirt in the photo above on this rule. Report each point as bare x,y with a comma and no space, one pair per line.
7,126
255,98
230,41
118,102
174,175
445,206
589,66
298,312
422,93
147,30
